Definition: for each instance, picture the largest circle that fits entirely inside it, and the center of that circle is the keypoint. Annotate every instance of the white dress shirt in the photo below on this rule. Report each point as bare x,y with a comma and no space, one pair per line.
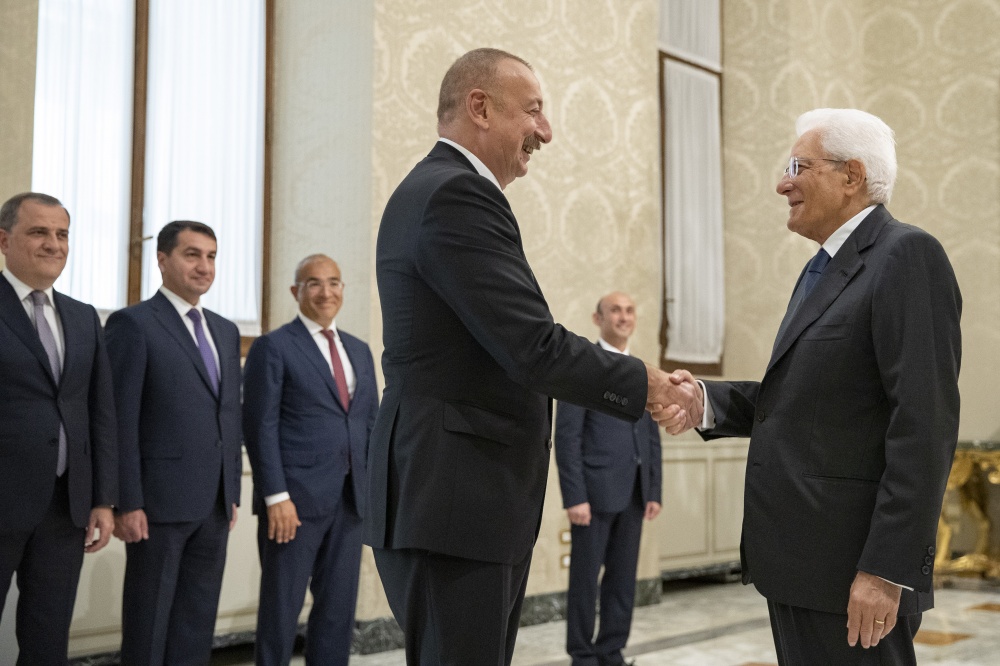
611,348
23,292
483,170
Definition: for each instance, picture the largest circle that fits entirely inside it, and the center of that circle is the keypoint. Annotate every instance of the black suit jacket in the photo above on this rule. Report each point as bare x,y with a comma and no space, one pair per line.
459,456
32,406
854,425
178,440
299,438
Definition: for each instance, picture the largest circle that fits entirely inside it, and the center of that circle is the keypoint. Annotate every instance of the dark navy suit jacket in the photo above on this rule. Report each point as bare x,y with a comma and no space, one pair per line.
31,407
600,456
299,438
178,440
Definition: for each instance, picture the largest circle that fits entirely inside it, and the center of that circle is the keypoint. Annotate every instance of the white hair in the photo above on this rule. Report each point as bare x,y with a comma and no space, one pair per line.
850,134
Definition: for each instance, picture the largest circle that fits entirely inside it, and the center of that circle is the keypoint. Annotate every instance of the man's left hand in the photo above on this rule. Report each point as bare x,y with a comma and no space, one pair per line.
652,510
102,519
871,611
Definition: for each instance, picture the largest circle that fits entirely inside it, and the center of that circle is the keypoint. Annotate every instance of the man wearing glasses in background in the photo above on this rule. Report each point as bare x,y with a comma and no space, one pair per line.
309,404
854,424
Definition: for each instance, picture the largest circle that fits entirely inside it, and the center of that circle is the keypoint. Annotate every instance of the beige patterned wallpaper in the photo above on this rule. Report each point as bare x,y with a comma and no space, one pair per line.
930,70
588,208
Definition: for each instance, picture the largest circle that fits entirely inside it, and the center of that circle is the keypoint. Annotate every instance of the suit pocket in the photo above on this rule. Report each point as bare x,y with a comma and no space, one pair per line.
833,331
845,480
472,420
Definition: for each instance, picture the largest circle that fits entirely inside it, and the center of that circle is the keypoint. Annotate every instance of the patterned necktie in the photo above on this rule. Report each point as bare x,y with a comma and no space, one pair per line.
338,369
207,357
48,340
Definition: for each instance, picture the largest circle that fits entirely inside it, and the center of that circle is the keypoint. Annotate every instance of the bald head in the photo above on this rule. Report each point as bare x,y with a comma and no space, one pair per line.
615,317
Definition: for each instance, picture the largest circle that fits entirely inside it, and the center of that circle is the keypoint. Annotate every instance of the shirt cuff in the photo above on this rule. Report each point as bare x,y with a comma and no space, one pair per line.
897,584
708,414
271,500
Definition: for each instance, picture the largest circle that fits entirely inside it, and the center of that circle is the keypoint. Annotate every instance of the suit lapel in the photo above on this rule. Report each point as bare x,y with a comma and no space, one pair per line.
309,349
12,313
71,352
172,323
838,274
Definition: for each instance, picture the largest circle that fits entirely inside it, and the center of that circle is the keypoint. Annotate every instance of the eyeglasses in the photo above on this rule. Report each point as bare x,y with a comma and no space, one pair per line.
796,164
316,285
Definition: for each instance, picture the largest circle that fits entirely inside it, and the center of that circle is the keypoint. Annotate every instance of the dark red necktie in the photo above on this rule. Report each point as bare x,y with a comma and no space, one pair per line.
338,369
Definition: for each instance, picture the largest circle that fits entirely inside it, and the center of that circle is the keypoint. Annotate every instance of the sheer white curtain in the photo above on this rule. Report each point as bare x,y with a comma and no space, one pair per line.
692,187
205,141
82,138
690,38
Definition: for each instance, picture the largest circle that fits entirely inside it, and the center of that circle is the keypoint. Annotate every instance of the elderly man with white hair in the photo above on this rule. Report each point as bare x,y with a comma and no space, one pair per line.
854,424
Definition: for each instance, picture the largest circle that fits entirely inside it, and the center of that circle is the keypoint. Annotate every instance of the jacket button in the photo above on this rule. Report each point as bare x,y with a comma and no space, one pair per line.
612,397
930,551
761,416
218,443
928,560
624,402
638,460
607,395
925,570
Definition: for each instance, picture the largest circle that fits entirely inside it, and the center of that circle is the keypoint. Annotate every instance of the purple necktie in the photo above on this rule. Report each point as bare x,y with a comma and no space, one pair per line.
45,335
205,349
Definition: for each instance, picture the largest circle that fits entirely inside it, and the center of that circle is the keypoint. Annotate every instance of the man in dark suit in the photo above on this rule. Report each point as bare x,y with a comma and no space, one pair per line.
58,457
854,424
309,405
459,456
610,475
177,388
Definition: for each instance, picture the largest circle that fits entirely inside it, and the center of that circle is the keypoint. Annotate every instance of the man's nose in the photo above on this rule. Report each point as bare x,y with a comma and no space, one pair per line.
544,131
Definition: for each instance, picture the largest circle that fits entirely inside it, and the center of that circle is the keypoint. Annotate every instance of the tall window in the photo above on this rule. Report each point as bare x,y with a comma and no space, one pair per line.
693,328
180,137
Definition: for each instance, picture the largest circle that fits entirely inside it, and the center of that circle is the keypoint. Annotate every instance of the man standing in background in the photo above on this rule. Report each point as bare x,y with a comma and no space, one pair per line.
58,457
310,400
610,475
177,379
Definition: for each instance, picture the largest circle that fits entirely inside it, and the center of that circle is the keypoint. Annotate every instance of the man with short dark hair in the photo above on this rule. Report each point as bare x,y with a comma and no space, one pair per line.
854,424
610,475
59,470
309,404
459,456
177,378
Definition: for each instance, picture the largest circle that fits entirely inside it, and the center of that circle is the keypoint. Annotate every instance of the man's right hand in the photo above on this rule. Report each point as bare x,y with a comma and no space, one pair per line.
675,400
579,514
132,526
282,521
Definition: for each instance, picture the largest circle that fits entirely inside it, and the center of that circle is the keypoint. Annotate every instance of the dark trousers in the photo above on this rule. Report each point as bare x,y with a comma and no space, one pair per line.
804,637
324,556
612,541
453,611
171,595
47,560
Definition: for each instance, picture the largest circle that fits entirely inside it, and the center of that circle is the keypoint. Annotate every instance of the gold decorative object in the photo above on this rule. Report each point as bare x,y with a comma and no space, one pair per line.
971,458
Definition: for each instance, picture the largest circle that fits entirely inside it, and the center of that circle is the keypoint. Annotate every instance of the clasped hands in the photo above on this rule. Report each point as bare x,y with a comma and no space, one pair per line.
675,400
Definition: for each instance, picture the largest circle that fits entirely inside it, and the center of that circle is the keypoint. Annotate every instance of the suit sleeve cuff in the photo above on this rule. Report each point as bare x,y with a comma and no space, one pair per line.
708,414
271,500
897,584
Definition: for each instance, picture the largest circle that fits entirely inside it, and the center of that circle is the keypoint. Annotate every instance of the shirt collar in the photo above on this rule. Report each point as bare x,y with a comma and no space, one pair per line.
22,290
483,170
611,348
314,328
182,306
838,237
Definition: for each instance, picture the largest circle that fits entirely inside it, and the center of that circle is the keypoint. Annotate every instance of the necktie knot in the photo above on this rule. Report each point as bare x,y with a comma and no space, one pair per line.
39,298
819,262
328,334
194,315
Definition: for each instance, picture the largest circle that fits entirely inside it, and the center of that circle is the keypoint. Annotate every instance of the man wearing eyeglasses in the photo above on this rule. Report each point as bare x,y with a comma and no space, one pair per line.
853,426
309,404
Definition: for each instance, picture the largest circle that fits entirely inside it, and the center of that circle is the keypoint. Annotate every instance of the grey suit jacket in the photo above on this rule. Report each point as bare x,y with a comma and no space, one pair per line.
854,424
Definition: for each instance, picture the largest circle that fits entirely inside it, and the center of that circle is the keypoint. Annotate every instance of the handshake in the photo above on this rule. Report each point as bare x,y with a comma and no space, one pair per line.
675,400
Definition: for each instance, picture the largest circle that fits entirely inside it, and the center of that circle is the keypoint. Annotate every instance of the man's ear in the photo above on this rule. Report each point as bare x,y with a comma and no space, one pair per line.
477,106
855,171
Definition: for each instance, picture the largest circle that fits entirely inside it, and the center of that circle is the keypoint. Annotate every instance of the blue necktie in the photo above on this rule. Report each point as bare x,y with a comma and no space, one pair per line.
205,349
39,299
813,271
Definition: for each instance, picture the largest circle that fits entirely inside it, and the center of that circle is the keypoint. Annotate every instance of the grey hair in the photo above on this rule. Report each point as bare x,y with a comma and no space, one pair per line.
11,207
305,262
849,134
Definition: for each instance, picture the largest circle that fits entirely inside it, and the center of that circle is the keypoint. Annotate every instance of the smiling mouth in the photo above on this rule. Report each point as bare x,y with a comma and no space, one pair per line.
531,144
